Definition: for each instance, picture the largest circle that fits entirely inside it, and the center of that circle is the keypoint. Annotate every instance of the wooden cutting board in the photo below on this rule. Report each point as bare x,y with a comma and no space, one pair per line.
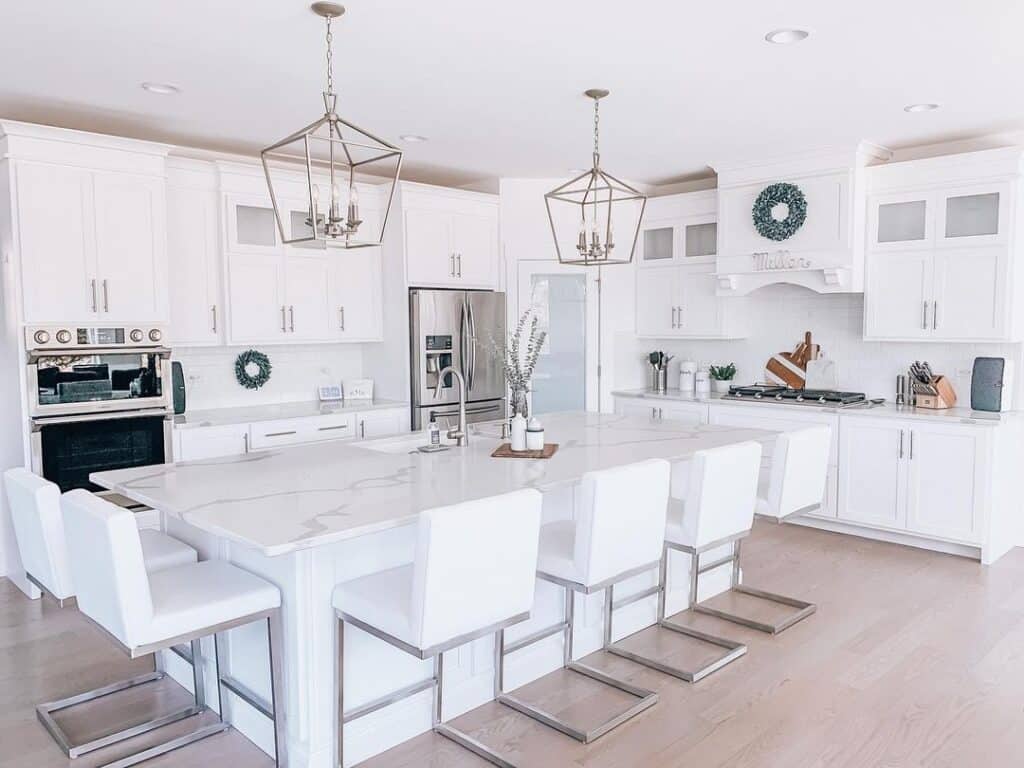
504,451
789,369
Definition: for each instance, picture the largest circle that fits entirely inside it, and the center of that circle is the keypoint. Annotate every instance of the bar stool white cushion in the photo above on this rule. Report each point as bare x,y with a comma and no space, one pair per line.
474,568
160,551
619,526
798,474
721,491
39,530
114,590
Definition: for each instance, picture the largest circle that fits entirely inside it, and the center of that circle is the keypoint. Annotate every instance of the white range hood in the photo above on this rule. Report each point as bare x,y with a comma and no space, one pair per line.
826,254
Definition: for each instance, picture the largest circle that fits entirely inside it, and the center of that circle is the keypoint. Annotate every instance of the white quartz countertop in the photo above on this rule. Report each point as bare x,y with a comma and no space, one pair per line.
885,410
215,417
304,496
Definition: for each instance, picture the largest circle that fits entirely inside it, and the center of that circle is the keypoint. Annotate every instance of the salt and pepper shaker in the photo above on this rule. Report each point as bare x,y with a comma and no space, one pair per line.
901,389
535,435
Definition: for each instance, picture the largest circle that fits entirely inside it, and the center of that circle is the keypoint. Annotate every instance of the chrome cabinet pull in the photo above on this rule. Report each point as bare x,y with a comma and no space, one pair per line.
935,319
362,428
328,429
291,315
911,445
924,316
280,434
451,270
245,441
213,309
106,296
284,326
341,311
673,317
901,443
95,306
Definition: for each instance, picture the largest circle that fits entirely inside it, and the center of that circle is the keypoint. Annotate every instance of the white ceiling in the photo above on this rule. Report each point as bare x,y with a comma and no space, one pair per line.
496,86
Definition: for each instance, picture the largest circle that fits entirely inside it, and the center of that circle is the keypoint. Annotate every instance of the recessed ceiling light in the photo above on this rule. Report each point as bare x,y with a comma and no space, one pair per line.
787,36
920,107
412,138
164,89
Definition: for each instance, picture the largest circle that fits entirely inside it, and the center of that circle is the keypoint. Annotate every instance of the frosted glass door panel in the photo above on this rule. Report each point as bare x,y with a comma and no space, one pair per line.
658,244
255,225
701,239
559,380
902,222
972,215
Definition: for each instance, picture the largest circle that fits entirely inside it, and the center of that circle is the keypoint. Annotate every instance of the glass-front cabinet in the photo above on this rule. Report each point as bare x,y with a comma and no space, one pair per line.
953,218
684,240
251,225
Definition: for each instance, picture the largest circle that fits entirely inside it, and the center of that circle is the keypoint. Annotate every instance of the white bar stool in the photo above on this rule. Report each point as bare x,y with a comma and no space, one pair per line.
144,613
796,484
712,504
473,575
617,533
39,533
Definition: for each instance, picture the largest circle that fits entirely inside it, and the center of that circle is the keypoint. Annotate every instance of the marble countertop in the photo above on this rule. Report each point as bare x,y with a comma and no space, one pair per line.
885,410
305,496
215,417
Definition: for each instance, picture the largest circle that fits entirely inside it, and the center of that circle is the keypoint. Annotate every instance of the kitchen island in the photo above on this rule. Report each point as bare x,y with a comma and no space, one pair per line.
308,517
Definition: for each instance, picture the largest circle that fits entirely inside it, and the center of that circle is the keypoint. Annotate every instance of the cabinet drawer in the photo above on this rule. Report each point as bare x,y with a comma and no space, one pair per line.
269,434
340,426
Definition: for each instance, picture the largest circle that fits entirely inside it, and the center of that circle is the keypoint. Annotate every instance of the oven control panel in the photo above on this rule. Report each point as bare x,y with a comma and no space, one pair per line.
45,337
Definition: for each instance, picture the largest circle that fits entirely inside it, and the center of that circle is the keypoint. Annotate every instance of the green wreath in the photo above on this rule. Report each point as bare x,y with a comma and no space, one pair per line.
771,196
252,380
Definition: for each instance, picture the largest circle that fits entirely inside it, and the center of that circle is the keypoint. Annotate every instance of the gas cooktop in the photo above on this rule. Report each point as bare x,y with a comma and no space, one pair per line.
772,394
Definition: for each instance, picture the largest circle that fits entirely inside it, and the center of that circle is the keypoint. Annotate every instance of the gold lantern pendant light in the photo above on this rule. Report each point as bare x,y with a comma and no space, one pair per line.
326,155
598,199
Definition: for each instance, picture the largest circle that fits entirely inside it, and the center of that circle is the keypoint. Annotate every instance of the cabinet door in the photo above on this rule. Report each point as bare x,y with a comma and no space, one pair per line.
970,293
475,243
700,309
872,479
430,258
131,246
897,296
194,275
58,268
974,216
657,244
900,222
657,305
356,296
945,481
382,423
307,282
210,442
256,299
636,407
251,225
691,414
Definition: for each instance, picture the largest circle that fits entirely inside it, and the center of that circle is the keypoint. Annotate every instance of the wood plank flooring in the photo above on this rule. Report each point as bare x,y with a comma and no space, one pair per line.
913,659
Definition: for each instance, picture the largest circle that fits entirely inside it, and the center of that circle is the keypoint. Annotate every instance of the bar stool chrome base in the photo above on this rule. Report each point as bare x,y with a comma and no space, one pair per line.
803,609
435,683
45,712
733,649
646,698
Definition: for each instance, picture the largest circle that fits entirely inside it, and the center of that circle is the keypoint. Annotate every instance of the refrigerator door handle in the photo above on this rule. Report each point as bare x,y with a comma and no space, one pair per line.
471,344
463,334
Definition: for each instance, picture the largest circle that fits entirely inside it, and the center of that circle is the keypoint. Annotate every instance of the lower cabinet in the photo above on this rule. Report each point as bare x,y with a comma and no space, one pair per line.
662,410
381,423
914,476
198,443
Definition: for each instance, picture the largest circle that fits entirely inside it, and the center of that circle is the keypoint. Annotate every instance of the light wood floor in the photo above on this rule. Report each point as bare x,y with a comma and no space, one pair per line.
913,659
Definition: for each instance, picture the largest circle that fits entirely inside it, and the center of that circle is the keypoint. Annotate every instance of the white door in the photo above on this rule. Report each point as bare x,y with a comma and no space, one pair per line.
700,309
897,297
356,295
475,243
945,481
131,244
307,282
430,258
256,299
657,302
970,293
58,268
193,256
382,423
872,478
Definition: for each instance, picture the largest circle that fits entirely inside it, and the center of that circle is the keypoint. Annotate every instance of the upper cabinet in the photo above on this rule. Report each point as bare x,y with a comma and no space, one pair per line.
106,260
450,237
941,245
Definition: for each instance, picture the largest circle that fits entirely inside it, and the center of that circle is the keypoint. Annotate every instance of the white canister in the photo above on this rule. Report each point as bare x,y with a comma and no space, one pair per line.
519,432
535,435
687,377
702,383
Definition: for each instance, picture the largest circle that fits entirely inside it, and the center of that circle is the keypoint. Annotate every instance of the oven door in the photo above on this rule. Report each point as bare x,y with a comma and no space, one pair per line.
92,381
67,449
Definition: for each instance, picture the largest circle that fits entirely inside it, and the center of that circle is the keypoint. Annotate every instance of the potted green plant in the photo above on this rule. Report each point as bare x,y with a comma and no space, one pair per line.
722,376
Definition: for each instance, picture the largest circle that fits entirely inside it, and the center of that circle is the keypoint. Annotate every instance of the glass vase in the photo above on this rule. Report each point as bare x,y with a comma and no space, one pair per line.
520,403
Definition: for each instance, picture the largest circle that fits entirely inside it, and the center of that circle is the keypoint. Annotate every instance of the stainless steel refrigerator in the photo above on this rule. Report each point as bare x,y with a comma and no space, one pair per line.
461,329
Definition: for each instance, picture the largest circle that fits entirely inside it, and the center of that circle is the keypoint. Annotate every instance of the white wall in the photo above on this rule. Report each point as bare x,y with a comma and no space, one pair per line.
297,371
780,314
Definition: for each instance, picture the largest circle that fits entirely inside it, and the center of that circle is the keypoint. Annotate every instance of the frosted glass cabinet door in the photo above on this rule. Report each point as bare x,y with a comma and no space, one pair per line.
902,221
701,239
658,243
252,226
974,216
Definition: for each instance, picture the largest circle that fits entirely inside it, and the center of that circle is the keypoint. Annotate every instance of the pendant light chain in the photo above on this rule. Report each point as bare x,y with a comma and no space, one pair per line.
597,153
330,62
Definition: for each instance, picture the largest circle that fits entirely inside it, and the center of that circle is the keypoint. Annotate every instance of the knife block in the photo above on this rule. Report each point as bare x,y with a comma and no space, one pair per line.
945,397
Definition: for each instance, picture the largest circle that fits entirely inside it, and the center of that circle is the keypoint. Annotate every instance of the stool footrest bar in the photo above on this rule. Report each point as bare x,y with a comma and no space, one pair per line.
476,747
388,699
624,601
169,746
804,610
534,637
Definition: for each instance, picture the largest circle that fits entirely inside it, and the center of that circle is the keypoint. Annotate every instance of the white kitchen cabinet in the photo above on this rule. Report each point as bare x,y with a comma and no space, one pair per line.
475,244
193,249
969,293
198,443
681,302
430,258
898,295
256,298
921,477
381,423
307,298
250,225
355,296
662,409
311,429
902,221
974,215
107,258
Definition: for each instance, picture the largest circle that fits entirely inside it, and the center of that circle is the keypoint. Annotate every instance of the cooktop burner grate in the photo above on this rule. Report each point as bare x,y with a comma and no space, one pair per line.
769,393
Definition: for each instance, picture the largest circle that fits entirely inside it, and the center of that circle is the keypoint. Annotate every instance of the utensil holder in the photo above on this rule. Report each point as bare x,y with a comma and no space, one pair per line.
659,379
944,397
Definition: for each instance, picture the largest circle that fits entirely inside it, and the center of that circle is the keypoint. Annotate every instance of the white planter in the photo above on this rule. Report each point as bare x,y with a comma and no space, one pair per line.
721,386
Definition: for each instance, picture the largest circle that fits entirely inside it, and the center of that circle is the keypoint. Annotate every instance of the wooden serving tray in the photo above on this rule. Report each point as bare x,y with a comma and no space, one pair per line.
504,451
